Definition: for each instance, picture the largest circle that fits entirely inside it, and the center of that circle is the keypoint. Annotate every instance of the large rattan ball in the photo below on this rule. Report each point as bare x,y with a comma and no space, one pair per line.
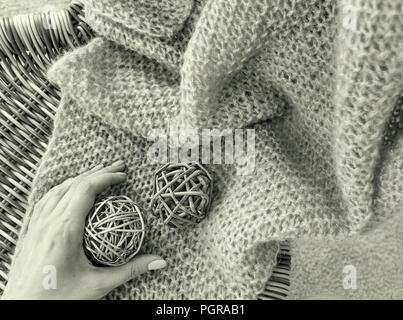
182,194
114,231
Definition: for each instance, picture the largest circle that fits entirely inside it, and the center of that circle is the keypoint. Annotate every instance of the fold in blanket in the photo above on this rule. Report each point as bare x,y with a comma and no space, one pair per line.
318,90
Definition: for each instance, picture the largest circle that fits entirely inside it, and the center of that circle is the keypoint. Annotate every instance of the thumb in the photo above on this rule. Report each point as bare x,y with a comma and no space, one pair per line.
134,268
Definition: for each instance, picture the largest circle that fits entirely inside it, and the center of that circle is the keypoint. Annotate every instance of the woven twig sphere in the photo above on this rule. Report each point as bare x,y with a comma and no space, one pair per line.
114,231
182,194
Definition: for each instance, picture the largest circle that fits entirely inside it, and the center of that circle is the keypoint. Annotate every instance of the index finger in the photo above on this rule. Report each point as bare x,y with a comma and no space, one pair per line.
83,195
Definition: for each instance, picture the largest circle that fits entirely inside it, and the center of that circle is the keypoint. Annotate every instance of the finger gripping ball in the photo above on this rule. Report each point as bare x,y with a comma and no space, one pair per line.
114,231
182,194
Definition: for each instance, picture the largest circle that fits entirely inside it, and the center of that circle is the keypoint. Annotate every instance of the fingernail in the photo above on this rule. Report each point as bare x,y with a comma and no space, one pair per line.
157,264
118,163
123,174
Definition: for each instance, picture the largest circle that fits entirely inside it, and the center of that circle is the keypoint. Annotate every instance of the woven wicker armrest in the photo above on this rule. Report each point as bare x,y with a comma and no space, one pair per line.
28,102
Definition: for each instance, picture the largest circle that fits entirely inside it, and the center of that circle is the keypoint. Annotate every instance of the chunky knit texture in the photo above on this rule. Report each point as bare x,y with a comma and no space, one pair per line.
322,95
375,259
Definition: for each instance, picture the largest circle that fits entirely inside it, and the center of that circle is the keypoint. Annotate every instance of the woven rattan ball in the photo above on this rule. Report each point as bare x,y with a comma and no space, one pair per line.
182,194
114,231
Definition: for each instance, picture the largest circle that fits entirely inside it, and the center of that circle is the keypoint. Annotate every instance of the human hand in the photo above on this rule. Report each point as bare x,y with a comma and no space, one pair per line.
53,244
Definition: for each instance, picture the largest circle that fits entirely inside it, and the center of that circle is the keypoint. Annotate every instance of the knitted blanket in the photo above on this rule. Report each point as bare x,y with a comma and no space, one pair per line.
319,83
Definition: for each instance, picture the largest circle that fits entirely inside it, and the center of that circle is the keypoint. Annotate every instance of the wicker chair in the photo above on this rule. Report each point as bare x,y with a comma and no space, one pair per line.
28,102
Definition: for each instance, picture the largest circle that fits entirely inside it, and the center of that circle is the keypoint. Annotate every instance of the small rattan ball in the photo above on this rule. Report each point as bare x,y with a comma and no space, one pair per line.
182,194
114,231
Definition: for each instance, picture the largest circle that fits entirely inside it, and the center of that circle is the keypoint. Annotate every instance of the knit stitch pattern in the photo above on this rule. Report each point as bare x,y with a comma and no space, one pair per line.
321,97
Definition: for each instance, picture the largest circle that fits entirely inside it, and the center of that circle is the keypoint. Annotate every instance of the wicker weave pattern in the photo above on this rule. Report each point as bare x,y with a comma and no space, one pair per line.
27,106
28,102
278,285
